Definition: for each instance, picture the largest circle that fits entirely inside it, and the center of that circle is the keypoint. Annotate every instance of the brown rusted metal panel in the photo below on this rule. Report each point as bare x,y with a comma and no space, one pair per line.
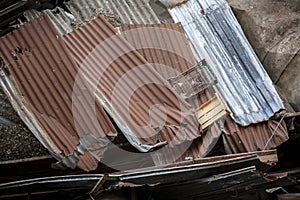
198,149
145,97
166,47
39,82
256,137
159,38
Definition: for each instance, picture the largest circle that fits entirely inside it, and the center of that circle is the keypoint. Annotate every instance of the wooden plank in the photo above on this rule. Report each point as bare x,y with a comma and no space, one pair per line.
209,105
211,111
209,115
211,121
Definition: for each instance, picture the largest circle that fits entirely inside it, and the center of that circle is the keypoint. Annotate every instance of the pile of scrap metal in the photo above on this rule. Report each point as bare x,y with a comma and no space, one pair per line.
173,90
237,176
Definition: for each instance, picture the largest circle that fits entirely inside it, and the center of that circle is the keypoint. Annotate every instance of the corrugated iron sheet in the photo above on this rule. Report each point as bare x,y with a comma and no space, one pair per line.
39,77
256,137
61,21
118,61
166,47
163,54
217,37
130,11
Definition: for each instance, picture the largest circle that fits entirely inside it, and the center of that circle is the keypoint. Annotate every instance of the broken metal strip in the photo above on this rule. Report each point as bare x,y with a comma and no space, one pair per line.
97,189
185,172
58,182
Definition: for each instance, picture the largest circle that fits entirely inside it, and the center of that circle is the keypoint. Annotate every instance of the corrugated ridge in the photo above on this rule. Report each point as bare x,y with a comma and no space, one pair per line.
153,35
242,80
130,11
170,54
59,18
44,72
82,41
257,137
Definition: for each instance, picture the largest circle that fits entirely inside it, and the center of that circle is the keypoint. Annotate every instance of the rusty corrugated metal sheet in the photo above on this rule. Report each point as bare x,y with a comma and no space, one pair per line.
166,46
132,92
199,148
256,137
39,78
156,44
218,38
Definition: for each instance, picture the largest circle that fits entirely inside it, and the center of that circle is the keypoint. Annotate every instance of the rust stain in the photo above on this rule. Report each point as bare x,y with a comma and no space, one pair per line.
168,64
254,137
157,94
42,73
178,4
164,58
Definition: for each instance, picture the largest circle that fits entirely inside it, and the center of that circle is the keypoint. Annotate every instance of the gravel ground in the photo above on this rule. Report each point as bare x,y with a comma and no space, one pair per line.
17,142
6,110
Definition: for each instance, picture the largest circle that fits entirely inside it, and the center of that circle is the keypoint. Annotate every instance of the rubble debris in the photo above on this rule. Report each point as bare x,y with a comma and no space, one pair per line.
241,177
112,18
130,12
